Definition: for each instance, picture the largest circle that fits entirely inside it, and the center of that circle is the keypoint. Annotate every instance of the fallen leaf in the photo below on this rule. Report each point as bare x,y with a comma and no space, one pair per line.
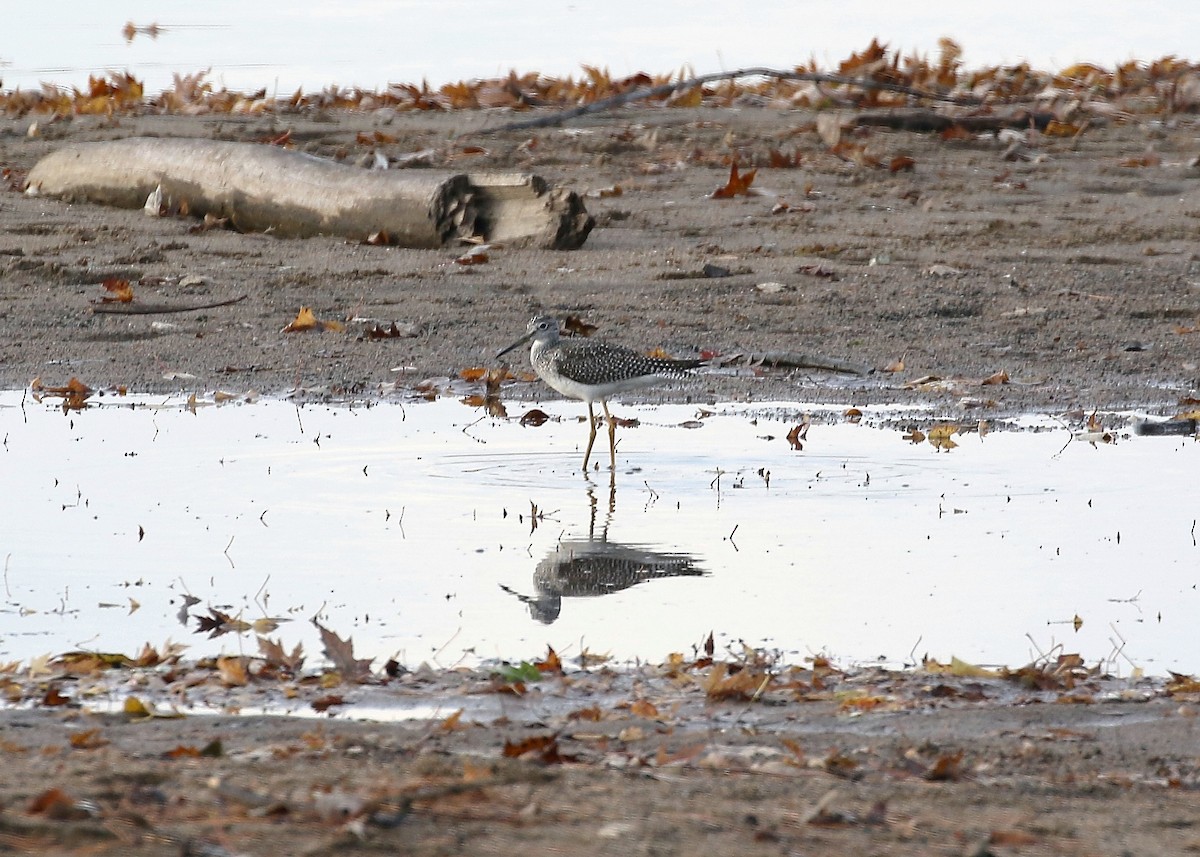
541,748
738,184
341,653
576,326
942,436
328,701
644,708
778,160
89,739
797,435
956,132
1055,128
551,663
232,670
475,256
307,320
1149,159
218,623
57,805
182,752
277,656
452,723
946,768
743,684
53,699
902,163
121,291
134,707
534,418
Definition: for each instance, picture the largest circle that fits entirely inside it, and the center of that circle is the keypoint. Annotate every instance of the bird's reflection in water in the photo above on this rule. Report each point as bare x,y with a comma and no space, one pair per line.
595,566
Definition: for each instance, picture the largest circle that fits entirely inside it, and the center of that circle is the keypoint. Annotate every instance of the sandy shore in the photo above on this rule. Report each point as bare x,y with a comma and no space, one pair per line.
1075,275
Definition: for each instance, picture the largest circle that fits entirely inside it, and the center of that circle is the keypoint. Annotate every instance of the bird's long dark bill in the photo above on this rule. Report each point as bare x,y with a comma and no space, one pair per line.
520,341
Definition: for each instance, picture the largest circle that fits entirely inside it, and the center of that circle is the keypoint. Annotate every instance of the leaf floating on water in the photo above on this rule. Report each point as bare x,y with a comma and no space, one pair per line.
798,435
74,395
942,436
534,417
218,623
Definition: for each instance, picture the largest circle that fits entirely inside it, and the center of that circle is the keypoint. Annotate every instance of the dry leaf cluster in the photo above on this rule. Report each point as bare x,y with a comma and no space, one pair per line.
1165,85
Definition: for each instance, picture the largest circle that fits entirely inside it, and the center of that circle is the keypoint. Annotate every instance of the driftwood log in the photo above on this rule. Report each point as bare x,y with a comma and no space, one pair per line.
261,188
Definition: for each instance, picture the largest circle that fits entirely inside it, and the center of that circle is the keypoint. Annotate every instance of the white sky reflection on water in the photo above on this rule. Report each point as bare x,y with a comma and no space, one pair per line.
405,527
370,43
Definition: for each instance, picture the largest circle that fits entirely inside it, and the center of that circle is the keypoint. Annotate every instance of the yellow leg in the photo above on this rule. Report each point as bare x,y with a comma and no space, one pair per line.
592,436
612,436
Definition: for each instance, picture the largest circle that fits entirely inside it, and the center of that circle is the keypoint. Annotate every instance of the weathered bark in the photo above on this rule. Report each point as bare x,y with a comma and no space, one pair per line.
261,188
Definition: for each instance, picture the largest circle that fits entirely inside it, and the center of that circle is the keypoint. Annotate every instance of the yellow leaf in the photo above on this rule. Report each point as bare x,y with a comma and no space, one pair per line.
304,320
134,707
963,669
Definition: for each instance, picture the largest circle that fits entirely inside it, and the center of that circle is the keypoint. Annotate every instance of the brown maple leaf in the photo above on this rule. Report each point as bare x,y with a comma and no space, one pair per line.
738,184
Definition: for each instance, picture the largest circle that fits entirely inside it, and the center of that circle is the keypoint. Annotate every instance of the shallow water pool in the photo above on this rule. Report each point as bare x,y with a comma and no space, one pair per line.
432,532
